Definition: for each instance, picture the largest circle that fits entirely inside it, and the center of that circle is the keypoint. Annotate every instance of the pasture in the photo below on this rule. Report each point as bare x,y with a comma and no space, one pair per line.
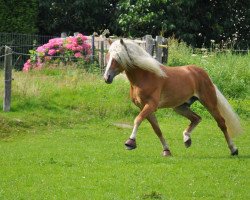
61,140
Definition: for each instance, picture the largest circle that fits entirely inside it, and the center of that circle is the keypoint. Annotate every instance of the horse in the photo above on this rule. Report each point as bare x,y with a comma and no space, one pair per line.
154,86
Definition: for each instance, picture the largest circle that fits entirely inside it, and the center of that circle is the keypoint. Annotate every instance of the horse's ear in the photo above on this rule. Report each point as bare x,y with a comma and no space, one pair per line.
110,41
121,41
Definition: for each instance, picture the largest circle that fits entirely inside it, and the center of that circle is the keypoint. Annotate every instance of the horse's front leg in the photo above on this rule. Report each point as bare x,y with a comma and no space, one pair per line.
154,123
146,111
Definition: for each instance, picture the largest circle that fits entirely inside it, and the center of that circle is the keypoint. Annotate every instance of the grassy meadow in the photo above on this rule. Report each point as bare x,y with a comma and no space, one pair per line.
61,139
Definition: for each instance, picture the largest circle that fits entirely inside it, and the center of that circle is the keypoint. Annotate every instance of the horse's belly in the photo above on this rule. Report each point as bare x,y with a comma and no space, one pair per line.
165,103
173,101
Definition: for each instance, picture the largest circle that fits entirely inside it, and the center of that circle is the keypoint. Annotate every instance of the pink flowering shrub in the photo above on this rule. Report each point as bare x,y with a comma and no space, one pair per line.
64,49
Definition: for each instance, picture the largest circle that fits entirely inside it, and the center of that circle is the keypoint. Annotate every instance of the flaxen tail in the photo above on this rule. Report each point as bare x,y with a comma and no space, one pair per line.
231,118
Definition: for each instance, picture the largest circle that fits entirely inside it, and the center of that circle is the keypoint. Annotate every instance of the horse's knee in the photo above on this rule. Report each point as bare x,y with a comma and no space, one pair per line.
138,120
197,119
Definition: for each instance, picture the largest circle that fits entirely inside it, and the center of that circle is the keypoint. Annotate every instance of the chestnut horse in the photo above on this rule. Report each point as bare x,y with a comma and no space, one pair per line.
156,86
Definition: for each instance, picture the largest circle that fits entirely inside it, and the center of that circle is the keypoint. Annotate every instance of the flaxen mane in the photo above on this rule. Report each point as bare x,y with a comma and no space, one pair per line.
131,55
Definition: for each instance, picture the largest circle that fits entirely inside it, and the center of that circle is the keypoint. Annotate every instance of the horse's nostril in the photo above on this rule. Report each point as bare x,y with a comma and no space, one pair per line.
109,79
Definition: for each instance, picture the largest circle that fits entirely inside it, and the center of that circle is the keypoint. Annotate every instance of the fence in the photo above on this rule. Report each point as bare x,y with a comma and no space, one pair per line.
21,43
7,79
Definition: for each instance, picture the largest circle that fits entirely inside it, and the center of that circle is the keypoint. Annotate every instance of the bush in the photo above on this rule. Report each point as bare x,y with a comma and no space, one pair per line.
59,50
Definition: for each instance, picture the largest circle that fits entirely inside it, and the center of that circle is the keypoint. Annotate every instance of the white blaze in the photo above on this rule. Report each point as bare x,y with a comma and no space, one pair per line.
107,68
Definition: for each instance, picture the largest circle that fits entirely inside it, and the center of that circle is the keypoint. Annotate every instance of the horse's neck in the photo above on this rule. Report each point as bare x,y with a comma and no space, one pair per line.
138,76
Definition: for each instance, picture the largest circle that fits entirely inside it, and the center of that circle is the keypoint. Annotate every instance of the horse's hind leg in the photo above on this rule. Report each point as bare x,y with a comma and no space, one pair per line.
221,124
153,121
195,119
210,102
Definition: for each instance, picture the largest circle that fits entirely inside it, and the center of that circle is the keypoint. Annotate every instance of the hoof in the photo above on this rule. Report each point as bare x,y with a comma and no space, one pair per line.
166,153
130,144
188,143
235,152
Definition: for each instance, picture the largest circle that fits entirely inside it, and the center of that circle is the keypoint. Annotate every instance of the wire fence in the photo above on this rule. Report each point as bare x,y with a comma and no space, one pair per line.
99,48
17,56
21,44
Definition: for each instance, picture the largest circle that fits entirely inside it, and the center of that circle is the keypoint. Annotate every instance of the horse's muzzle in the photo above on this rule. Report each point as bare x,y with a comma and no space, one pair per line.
109,80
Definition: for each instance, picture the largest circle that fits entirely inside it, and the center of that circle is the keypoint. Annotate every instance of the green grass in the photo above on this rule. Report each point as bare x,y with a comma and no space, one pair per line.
59,142
88,161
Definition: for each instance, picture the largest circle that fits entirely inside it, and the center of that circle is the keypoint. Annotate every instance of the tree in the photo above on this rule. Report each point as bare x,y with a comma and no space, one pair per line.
76,16
18,16
196,22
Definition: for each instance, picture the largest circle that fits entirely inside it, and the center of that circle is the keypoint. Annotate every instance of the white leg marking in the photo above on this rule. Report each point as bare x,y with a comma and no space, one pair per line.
133,135
232,147
186,135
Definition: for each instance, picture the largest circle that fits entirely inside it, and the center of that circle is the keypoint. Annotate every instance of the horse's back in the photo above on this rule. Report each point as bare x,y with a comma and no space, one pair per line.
182,83
191,74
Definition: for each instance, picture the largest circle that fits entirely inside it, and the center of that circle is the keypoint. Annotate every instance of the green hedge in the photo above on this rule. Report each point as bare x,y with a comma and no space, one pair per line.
18,16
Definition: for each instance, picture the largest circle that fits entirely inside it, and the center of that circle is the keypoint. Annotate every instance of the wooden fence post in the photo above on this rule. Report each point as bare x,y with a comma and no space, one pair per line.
93,48
63,35
7,79
102,56
158,49
76,33
149,44
165,51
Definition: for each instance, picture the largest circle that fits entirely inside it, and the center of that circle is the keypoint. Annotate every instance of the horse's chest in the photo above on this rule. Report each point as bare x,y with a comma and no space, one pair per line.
137,96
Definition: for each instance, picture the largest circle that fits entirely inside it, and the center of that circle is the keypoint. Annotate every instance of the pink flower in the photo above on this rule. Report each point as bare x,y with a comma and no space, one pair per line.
69,46
86,46
78,55
79,48
41,49
74,48
81,38
55,42
39,64
70,40
27,66
52,52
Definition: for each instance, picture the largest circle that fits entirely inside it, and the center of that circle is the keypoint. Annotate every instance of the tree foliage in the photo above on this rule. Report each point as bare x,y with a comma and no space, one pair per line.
196,22
76,16
18,16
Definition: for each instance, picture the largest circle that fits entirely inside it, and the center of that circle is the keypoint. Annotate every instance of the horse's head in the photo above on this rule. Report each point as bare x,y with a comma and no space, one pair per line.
113,68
